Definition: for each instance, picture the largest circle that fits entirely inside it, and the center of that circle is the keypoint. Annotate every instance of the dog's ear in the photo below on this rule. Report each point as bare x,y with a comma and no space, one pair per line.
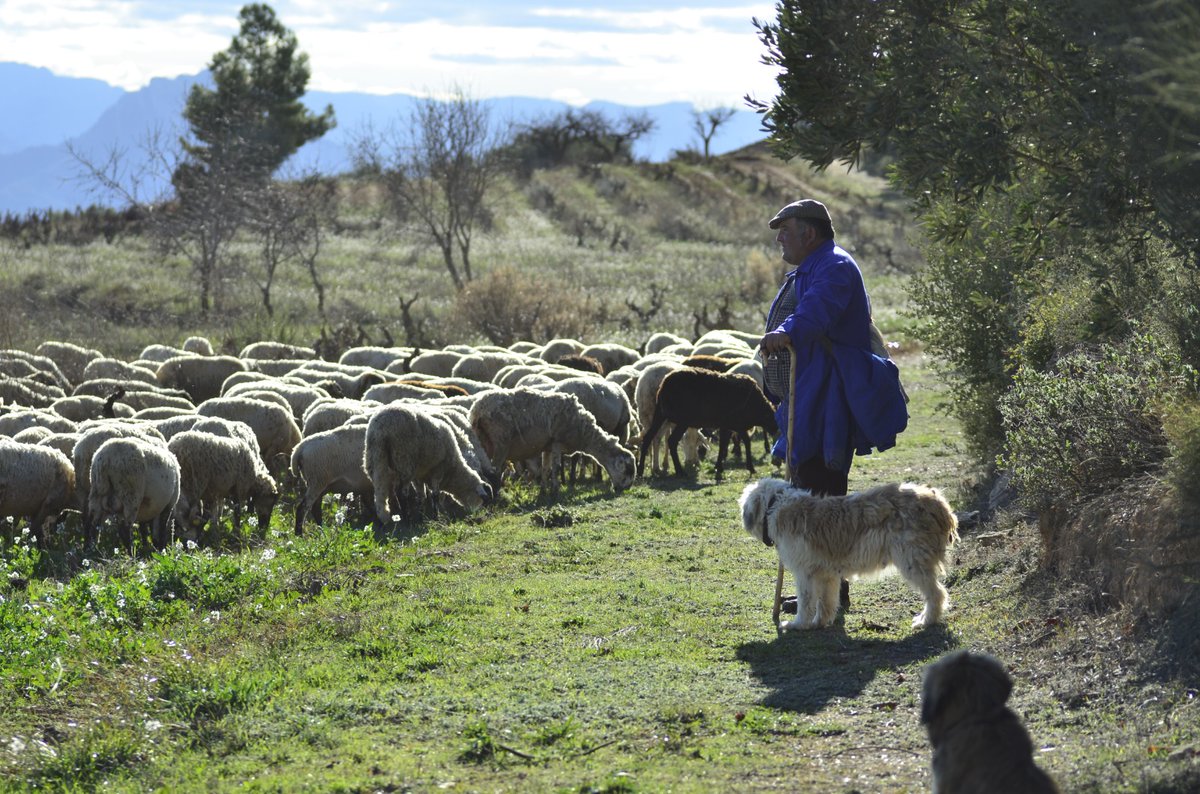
990,682
940,685
752,506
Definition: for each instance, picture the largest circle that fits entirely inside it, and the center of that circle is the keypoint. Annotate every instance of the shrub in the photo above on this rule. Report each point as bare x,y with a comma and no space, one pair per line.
506,305
1091,421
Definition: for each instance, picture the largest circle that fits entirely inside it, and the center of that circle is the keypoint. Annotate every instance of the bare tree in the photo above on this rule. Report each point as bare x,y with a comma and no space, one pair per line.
193,212
706,123
438,173
288,221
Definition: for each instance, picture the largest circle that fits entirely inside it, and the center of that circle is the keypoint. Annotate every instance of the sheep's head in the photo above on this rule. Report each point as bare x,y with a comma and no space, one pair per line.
621,467
263,498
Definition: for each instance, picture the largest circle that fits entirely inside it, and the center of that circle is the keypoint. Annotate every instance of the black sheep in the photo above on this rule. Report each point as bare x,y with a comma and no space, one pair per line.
728,402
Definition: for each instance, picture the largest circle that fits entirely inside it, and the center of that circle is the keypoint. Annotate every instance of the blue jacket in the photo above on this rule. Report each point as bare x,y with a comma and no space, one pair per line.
848,400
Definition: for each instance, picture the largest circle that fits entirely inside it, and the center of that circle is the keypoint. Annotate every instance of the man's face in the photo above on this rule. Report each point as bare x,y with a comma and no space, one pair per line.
794,237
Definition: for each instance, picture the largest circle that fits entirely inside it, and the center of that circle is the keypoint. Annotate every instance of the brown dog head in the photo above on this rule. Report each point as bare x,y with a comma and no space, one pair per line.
961,684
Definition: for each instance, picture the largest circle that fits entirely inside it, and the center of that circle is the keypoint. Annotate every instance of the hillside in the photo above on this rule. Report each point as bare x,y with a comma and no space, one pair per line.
690,238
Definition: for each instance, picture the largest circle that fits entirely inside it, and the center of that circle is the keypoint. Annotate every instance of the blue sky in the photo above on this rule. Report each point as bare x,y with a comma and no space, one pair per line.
635,53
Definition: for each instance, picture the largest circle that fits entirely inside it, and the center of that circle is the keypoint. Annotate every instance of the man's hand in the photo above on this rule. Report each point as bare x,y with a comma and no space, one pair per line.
775,342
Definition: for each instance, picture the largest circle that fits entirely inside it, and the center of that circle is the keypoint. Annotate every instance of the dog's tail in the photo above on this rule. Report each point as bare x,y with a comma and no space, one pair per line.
940,514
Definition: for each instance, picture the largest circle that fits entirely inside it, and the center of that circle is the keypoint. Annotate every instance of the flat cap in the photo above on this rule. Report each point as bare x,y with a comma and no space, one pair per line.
804,208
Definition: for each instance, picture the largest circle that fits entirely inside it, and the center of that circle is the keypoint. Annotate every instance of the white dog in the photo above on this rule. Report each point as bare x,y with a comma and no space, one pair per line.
822,540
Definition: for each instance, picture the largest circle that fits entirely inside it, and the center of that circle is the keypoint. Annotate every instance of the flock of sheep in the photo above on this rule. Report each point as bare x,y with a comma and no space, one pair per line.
160,445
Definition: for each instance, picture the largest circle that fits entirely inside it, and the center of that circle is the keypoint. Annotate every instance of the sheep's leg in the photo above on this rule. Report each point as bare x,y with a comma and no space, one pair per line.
723,436
673,445
648,438
301,509
744,435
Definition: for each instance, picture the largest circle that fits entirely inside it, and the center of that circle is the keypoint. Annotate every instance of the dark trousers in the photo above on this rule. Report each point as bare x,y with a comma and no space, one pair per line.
813,476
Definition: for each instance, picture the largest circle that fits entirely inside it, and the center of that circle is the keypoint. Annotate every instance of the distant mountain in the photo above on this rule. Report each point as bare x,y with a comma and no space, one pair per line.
96,120
45,109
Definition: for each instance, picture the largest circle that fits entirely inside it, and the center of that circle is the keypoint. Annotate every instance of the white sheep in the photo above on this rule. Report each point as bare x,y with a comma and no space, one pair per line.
33,435
28,392
17,420
351,381
555,349
70,358
467,385
405,449
81,407
36,482
273,425
458,418
397,390
328,414
198,346
611,355
276,350
43,363
116,369
159,353
434,362
298,394
332,461
374,357
63,442
91,436
482,367
171,426
212,469
137,481
200,376
103,387
525,347
154,413
607,402
657,341
519,424
267,395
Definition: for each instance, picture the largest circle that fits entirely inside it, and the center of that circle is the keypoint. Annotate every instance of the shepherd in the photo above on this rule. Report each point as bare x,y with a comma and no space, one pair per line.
838,393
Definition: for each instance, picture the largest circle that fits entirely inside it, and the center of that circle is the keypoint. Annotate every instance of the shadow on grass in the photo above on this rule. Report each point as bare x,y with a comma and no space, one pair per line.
805,670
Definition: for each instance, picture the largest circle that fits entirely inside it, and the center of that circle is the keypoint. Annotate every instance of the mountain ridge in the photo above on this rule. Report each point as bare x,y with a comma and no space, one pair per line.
97,120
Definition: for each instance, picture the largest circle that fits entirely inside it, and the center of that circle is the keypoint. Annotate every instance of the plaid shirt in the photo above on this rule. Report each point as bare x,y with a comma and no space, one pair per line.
776,367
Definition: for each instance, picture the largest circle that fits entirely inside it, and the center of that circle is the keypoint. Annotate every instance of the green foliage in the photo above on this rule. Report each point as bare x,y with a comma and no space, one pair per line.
1181,424
253,119
204,580
199,693
971,96
94,759
1091,421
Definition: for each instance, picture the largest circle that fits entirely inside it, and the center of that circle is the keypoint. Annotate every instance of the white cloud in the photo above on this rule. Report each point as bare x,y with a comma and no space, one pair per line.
637,58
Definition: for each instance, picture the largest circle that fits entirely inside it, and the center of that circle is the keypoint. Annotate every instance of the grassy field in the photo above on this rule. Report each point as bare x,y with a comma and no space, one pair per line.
600,643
